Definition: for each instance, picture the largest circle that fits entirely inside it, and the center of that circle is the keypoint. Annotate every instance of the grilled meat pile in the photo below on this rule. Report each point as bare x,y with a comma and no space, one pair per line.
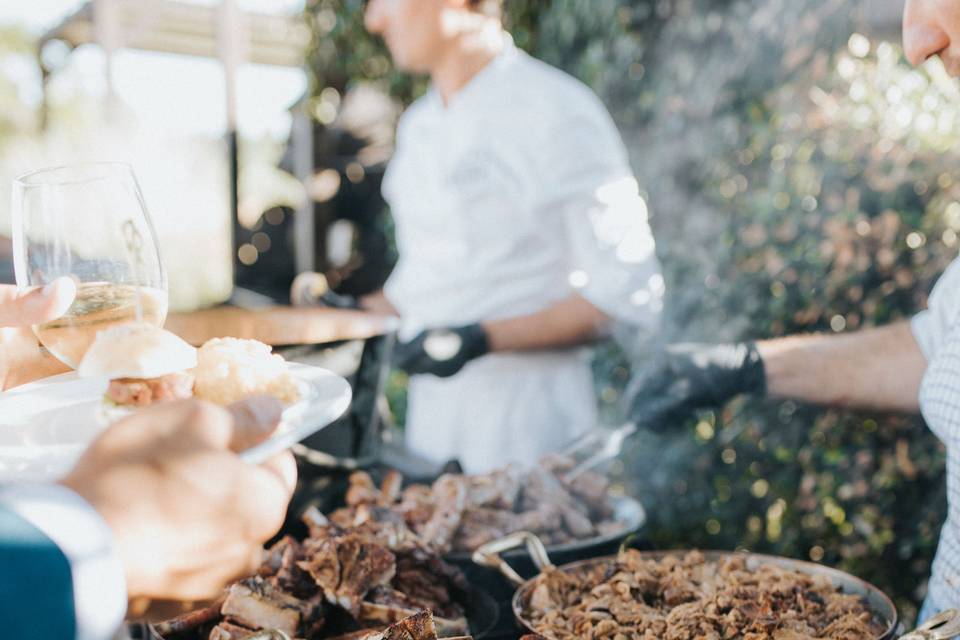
461,513
361,583
691,598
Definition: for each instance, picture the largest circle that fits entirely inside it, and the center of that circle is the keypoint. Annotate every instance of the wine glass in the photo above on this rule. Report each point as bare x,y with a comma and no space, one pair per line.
88,222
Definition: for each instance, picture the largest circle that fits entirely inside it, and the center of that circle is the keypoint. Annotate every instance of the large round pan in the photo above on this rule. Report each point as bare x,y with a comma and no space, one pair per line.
946,625
627,512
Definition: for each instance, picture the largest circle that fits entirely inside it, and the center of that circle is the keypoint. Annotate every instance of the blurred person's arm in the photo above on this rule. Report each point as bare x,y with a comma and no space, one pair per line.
187,514
874,368
444,352
879,368
21,358
158,507
569,322
311,289
377,302
871,369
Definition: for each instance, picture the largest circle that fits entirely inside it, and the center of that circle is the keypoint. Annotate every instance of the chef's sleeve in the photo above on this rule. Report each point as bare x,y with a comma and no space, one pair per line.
613,262
61,576
930,326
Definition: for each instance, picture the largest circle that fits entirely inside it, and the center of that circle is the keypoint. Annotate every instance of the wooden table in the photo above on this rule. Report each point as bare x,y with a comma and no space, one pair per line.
278,325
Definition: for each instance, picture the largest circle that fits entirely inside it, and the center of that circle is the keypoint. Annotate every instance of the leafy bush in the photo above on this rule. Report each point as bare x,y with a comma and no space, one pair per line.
797,173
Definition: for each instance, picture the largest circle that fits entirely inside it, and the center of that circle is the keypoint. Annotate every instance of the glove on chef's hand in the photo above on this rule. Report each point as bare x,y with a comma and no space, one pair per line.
690,376
310,289
442,352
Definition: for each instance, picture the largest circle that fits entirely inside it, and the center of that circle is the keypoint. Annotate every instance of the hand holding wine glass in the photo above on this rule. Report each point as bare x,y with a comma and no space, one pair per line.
21,359
87,222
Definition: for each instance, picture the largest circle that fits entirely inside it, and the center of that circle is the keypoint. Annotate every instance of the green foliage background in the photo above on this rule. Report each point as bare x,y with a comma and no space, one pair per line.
801,179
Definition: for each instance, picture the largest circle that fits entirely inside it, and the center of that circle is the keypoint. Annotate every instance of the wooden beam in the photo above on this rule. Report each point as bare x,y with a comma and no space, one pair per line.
169,26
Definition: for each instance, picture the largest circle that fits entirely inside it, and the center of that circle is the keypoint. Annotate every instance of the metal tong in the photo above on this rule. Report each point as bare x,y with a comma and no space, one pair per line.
942,626
603,444
488,555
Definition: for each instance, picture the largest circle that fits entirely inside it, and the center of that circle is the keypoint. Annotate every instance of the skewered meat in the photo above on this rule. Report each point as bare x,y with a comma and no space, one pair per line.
256,604
686,597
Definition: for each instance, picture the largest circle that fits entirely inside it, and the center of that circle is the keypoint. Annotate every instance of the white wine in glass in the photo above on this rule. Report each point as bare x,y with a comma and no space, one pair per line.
88,222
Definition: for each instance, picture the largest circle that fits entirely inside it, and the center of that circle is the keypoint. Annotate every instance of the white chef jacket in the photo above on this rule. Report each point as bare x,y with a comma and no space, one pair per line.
506,200
937,331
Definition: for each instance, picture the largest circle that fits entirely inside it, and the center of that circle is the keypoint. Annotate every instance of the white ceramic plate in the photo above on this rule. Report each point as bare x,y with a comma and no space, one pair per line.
46,425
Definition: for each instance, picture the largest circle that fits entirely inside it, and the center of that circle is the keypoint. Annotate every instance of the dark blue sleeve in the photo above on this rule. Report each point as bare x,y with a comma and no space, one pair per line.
36,586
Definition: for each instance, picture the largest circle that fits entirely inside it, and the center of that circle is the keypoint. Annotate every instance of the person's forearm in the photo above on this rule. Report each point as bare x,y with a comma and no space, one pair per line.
377,302
569,322
872,369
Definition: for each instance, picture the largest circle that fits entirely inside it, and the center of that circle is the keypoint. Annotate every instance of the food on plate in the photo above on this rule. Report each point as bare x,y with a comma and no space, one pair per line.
338,584
229,369
680,597
146,364
462,513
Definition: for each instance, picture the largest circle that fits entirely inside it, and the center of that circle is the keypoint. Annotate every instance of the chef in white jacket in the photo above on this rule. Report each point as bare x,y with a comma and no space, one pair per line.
521,234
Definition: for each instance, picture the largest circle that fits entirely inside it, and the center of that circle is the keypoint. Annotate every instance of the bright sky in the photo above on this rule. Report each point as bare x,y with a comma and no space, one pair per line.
183,93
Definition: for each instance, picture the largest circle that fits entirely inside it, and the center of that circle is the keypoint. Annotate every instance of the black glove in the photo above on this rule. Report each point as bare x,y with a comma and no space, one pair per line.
442,352
310,289
691,376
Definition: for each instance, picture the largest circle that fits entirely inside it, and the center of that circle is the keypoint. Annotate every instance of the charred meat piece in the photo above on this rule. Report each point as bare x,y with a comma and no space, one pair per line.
390,488
416,505
430,582
376,615
346,567
482,525
140,392
256,604
497,490
362,489
417,627
449,496
281,569
228,631
190,621
543,487
593,490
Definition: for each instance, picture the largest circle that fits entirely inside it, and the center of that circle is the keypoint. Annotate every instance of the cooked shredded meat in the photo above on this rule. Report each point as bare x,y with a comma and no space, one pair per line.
364,582
690,598
140,392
